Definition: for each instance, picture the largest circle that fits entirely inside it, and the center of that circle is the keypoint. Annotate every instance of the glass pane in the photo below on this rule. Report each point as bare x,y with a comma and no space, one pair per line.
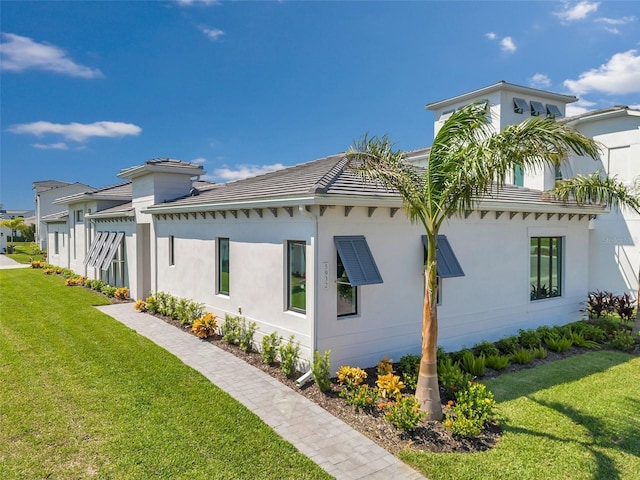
297,276
555,266
223,266
518,177
533,269
347,294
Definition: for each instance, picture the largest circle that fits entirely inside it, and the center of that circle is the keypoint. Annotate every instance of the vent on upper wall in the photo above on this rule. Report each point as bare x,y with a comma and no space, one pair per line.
537,108
520,105
553,111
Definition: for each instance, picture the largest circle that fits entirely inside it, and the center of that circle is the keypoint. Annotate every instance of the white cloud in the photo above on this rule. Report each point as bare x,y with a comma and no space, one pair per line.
613,30
579,107
620,75
579,11
244,171
51,146
617,21
213,33
540,80
22,53
78,132
199,160
507,44
491,35
635,107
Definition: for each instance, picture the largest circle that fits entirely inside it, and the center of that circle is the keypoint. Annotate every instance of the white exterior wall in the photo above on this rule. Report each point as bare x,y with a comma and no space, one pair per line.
61,259
44,206
614,238
490,301
257,265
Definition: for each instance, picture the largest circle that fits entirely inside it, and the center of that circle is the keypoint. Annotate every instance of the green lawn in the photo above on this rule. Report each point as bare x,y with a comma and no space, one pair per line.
83,396
577,418
24,252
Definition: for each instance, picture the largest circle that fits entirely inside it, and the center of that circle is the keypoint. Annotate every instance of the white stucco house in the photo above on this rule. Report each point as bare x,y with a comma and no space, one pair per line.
314,251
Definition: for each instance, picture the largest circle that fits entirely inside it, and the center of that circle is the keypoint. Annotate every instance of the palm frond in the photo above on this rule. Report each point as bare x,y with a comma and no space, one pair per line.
598,189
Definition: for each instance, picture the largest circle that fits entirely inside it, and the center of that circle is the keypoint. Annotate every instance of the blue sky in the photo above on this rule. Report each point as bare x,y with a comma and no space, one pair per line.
89,88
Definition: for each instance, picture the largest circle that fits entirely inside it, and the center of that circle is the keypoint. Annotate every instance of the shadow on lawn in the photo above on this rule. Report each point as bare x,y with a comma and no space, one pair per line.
545,376
599,437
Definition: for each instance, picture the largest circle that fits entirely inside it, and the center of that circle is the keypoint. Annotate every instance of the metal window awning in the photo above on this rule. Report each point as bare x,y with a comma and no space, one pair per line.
357,260
447,264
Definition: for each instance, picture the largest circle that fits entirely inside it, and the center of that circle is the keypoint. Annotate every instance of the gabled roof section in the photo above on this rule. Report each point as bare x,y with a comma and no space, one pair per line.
45,185
57,217
119,191
162,165
501,85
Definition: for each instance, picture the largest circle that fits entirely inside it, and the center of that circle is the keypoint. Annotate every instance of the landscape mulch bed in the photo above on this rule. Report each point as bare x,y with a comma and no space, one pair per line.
429,436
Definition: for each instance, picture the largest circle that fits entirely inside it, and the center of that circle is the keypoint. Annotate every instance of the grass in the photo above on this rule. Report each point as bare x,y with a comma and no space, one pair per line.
84,396
24,252
578,418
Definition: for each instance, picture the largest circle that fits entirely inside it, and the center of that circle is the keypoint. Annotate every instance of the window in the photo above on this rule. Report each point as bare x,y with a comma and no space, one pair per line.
520,105
297,275
355,267
223,266
546,267
518,177
557,173
537,108
172,259
56,243
553,111
79,216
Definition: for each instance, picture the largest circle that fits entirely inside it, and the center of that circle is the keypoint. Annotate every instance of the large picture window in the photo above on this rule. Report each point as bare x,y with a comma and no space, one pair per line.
223,266
297,275
546,267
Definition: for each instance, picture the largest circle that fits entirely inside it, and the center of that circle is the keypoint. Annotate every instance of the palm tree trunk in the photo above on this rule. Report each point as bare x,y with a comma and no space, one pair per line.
428,390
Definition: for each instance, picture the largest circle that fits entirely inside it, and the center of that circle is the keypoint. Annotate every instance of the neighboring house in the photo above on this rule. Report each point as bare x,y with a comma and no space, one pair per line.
46,191
316,252
6,233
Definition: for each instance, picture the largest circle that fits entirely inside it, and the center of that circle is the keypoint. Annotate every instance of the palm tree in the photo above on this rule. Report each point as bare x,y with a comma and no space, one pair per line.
596,188
15,224
467,160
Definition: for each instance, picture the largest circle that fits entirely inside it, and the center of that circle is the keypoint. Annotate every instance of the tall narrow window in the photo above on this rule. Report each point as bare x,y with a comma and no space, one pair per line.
56,243
546,267
347,293
297,275
557,173
223,266
172,258
518,177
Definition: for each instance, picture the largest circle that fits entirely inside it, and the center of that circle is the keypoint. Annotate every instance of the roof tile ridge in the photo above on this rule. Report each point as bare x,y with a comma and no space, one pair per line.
331,175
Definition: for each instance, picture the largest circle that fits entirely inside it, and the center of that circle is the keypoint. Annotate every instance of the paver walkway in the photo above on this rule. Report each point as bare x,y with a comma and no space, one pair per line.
339,449
7,262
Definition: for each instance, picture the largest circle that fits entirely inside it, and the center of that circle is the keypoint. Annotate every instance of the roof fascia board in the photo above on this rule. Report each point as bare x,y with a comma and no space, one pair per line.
604,115
123,213
140,170
500,86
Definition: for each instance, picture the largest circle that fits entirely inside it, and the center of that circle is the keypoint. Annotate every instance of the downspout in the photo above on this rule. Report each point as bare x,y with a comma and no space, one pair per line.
314,330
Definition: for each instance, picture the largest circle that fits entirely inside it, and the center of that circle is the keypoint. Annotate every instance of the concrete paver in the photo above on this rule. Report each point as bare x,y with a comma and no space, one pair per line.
347,454
7,262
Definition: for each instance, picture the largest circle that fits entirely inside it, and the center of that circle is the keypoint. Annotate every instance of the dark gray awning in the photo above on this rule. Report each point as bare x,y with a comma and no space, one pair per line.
357,260
447,264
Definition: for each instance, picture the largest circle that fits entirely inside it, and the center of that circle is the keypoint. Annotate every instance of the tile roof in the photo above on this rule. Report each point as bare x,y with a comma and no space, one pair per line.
55,217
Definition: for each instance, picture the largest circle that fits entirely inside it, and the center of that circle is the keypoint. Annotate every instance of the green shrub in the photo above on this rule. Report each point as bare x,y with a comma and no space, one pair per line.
559,344
485,348
622,340
474,365
457,356
180,312
589,331
404,413
108,290
270,345
508,345
578,339
529,339
521,356
205,326
409,366
451,376
539,353
608,325
247,331
321,370
289,354
497,362
472,409
362,397
231,330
